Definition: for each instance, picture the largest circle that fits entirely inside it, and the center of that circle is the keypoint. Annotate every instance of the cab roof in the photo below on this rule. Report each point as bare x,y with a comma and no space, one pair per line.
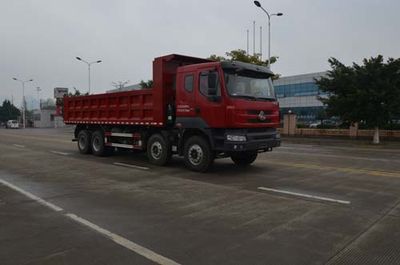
246,66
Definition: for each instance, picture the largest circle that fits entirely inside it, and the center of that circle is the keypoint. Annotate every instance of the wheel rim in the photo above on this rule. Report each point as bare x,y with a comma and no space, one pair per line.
156,150
195,154
96,144
82,142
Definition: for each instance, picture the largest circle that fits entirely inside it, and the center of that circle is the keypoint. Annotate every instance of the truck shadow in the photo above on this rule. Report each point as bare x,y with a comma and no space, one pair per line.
222,168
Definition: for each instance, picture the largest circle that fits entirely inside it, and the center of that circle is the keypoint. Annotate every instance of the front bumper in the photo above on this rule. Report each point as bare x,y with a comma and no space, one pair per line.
256,140
261,146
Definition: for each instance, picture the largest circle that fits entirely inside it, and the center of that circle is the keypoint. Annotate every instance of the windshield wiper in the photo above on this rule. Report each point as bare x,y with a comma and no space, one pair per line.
244,96
266,99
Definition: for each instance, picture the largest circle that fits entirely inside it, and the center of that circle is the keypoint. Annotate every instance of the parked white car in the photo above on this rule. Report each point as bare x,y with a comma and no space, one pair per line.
315,124
12,124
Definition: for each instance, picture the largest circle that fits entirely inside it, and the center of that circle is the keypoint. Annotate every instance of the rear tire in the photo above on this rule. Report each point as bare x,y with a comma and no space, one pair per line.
84,142
244,158
158,150
98,145
197,154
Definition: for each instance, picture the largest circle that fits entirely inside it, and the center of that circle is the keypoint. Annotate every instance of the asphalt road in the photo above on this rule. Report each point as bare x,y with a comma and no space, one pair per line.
301,204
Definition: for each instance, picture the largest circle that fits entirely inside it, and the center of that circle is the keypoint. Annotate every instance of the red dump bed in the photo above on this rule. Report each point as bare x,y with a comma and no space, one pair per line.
140,107
131,107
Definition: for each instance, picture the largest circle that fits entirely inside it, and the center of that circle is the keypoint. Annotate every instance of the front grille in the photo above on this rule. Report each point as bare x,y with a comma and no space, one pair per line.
260,130
256,120
262,137
256,112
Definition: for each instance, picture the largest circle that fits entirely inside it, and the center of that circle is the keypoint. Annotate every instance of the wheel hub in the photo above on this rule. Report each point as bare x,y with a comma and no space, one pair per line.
96,144
195,154
82,142
156,150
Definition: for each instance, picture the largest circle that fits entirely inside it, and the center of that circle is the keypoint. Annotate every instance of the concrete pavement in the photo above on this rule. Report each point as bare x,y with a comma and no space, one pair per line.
222,217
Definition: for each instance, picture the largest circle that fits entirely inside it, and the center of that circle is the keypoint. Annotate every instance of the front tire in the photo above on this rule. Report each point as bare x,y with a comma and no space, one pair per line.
158,150
84,142
244,158
197,154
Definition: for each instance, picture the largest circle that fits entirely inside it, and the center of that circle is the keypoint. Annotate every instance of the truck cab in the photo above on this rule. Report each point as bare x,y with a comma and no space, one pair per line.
233,104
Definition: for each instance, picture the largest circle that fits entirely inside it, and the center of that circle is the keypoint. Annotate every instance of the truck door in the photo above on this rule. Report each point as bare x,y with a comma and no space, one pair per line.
209,102
186,99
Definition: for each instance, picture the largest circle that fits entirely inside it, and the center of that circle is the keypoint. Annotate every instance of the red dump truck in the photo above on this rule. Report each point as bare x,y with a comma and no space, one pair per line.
197,108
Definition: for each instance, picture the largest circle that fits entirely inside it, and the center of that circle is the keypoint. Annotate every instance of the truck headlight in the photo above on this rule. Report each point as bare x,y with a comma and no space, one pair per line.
278,136
236,138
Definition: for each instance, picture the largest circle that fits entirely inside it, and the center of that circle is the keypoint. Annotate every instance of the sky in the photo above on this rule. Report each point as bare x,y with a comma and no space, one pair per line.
40,39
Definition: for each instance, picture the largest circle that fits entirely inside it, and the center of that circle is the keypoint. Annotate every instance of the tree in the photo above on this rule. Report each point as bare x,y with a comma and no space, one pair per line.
77,93
368,93
241,56
321,116
148,84
8,111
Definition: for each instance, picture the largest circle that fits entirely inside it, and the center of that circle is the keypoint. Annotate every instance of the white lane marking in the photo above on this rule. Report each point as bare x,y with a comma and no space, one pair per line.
145,252
59,153
19,145
31,196
305,195
130,165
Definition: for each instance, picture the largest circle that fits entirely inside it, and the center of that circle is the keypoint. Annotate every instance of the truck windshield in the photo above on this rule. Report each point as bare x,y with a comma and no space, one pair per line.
249,84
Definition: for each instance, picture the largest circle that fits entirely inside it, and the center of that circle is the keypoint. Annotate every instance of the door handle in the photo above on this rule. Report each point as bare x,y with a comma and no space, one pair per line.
197,110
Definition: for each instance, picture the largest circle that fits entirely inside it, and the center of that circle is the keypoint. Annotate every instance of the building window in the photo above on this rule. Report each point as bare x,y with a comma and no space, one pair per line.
297,90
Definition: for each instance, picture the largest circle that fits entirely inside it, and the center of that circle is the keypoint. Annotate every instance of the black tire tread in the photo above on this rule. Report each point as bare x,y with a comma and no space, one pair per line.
209,155
166,146
87,149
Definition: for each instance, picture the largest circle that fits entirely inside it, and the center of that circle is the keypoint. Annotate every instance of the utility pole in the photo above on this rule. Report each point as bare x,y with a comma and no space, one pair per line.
120,84
247,50
38,89
254,38
23,99
260,43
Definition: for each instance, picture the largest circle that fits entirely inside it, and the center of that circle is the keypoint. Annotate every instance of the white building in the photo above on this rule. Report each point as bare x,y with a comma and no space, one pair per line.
299,94
44,118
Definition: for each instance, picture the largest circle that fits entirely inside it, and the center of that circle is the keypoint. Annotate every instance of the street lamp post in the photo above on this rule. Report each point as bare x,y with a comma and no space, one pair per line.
38,89
23,99
257,3
88,64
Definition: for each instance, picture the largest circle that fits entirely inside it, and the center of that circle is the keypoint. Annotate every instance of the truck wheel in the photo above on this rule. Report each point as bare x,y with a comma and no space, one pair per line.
197,154
84,142
158,150
98,145
244,158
